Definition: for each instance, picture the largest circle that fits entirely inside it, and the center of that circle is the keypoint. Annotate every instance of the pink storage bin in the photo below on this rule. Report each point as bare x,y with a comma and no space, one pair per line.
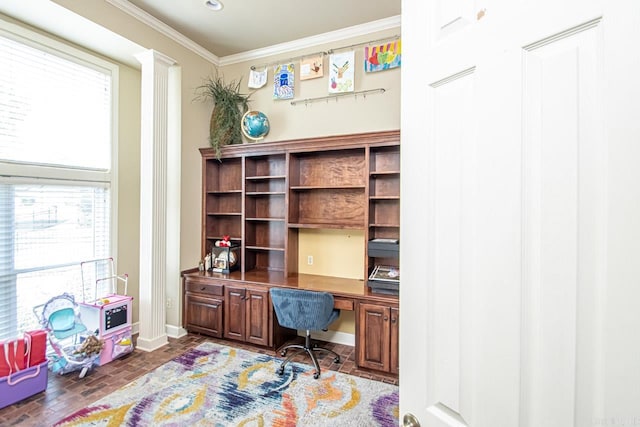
23,384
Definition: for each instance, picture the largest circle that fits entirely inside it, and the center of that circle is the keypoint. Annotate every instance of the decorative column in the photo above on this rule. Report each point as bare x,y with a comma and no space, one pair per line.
153,198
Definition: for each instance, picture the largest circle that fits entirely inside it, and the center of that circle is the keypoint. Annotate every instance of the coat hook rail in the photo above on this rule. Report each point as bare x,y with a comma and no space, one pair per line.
337,95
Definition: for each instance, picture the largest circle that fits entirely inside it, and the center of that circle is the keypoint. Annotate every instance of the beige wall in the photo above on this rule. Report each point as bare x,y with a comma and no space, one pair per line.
347,115
337,253
129,180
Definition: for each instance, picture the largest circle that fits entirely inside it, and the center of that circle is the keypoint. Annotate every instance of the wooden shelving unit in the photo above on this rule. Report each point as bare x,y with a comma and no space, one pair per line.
262,195
265,208
222,201
384,201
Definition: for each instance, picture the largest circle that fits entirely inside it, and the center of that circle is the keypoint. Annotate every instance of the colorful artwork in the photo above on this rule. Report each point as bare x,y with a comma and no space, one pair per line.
283,80
341,72
383,57
311,68
257,79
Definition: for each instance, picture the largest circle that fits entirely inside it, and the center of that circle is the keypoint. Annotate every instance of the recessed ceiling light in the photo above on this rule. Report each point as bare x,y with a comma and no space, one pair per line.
213,4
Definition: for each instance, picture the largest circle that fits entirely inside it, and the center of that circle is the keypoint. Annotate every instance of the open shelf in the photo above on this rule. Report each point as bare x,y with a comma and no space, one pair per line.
325,187
264,177
327,225
384,173
264,194
375,198
264,248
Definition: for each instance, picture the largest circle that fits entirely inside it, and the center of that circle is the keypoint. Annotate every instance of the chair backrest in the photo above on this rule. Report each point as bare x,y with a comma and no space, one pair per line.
302,309
59,316
63,319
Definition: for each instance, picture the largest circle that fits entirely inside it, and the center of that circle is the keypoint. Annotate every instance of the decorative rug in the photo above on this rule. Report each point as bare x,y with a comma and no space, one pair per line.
216,385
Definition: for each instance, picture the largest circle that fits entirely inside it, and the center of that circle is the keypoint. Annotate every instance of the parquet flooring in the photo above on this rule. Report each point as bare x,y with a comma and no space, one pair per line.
67,393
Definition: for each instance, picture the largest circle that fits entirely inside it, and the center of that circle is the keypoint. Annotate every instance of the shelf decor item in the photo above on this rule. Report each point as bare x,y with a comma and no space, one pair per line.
226,116
225,259
255,125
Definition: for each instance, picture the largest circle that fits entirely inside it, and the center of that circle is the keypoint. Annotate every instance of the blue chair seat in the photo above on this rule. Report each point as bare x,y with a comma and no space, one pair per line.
304,310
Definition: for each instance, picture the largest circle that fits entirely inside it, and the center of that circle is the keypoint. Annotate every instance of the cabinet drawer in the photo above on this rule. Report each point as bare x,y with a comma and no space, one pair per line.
205,288
343,304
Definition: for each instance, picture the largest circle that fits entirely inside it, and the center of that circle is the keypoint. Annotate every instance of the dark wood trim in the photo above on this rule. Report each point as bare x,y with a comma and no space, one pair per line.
334,142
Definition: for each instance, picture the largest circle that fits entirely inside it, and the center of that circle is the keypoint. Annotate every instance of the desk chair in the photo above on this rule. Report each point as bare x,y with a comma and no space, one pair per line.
307,310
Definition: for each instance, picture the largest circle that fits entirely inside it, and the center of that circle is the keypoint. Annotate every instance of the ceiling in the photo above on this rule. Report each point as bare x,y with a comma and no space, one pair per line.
246,25
243,30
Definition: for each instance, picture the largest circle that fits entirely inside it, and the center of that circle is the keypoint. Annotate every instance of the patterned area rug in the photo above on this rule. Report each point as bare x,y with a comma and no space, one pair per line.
216,385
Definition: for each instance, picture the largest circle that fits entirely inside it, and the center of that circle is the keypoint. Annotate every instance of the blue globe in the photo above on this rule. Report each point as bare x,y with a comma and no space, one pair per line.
255,125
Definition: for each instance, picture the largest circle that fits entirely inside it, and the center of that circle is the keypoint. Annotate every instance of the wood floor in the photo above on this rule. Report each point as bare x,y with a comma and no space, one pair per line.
67,393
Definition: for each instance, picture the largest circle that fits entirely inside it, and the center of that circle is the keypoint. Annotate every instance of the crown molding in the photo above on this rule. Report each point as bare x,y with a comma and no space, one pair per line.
330,37
164,29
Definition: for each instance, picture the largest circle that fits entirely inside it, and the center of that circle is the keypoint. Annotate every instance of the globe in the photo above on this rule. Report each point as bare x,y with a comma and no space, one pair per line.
255,125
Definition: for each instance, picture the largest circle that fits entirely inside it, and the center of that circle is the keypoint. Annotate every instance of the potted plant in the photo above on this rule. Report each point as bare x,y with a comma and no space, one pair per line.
229,105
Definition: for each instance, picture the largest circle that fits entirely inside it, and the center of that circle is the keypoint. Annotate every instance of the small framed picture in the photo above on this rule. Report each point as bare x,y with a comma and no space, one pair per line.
220,263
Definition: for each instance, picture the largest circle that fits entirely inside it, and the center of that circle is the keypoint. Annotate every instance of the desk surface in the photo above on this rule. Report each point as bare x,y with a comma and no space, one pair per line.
338,286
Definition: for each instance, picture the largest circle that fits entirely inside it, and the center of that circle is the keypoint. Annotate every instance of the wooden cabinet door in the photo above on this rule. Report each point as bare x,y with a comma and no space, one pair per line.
257,309
234,313
374,335
394,360
203,315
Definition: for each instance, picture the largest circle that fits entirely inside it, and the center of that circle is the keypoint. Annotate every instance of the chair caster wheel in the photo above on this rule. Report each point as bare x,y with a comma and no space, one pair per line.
336,360
316,375
280,371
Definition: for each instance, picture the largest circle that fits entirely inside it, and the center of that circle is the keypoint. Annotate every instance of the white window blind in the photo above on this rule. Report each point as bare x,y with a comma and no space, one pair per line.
53,110
55,209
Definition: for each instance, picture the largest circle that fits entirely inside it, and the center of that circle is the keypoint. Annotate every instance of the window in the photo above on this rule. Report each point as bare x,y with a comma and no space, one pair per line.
56,162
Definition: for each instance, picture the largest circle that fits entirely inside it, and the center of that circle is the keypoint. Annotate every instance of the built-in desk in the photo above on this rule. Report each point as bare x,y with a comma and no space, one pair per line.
237,306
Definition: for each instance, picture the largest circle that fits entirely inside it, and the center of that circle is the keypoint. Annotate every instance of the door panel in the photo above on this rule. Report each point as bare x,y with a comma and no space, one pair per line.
234,313
518,189
453,98
453,15
563,229
374,333
258,309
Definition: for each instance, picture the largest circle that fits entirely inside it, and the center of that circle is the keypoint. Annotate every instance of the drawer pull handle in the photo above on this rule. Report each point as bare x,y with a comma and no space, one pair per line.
203,288
386,318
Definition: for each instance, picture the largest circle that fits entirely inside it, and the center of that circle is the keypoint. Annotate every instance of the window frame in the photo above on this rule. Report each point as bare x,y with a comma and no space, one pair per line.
29,171
19,172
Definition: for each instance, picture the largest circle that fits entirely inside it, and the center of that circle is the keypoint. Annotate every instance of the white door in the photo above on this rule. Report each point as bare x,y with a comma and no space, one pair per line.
520,241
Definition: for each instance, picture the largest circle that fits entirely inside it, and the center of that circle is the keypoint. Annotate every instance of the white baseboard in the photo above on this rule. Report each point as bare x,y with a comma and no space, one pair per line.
335,337
175,331
151,345
172,331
